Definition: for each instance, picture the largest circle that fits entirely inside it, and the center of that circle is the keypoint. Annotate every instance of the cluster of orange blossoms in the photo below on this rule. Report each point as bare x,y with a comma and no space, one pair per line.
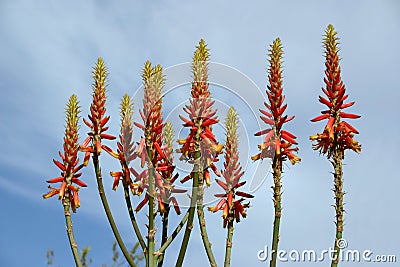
277,142
98,120
201,139
150,147
91,145
168,173
337,133
232,209
126,149
69,166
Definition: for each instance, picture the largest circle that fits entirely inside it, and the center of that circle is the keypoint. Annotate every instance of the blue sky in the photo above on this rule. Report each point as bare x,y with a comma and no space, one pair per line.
48,48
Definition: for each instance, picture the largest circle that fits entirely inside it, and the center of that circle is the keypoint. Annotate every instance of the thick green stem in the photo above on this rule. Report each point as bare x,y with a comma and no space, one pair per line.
70,232
202,223
228,247
151,191
338,190
277,173
107,210
164,233
174,234
165,225
133,219
193,200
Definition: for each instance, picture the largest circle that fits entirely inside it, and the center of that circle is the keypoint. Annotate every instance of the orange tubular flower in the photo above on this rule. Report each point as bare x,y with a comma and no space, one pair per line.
232,209
276,141
153,79
152,141
126,150
69,165
97,117
336,132
166,169
201,118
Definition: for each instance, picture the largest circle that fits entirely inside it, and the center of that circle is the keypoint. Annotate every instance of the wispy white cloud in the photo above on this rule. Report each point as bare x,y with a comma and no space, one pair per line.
18,189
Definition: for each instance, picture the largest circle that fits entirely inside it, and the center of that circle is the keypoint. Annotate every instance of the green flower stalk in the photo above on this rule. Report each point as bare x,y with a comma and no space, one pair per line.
93,144
153,82
67,192
168,180
152,126
126,148
279,144
200,147
150,150
126,153
167,173
338,134
97,119
168,134
232,208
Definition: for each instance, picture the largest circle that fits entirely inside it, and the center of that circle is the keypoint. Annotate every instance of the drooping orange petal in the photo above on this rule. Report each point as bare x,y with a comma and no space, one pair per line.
262,132
176,206
267,120
320,117
277,146
222,184
62,190
230,199
243,194
55,180
79,182
53,192
219,205
288,138
107,136
186,178
349,115
256,157
207,177
98,147
142,203
110,151
225,212
59,165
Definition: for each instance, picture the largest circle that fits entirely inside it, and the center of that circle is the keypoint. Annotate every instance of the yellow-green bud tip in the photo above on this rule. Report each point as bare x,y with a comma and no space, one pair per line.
231,124
168,134
330,38
72,112
147,71
201,53
168,137
99,76
275,51
126,110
